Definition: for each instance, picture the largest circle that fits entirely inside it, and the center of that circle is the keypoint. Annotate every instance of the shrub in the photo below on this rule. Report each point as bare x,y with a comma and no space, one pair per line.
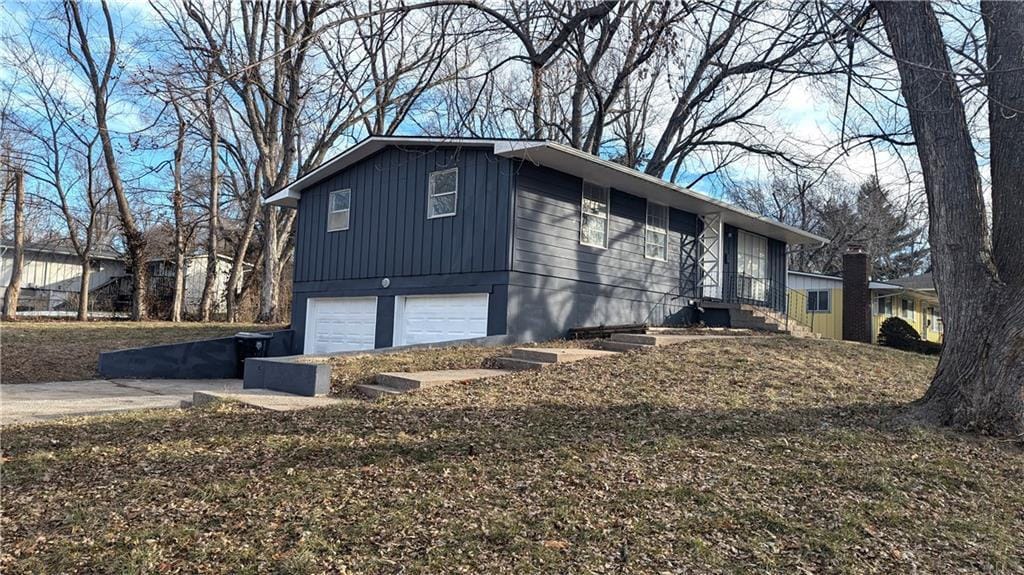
899,334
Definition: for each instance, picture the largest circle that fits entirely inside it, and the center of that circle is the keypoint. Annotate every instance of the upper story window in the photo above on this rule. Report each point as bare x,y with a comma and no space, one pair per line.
339,210
594,216
442,193
883,306
819,301
656,246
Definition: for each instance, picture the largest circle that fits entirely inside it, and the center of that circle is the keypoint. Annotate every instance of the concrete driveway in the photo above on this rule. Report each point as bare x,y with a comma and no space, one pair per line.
28,402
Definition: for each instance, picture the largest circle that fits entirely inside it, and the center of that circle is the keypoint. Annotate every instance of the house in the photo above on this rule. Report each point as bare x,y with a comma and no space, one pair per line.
161,277
817,301
52,274
51,280
405,240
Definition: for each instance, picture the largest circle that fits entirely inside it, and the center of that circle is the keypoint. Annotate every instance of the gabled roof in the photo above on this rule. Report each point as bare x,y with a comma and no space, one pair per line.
567,160
922,282
62,247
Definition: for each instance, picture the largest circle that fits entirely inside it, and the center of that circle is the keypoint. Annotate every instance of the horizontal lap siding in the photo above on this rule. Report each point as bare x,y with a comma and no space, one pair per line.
389,234
547,228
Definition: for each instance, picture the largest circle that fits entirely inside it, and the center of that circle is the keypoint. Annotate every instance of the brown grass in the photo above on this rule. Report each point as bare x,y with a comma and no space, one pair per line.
769,455
35,351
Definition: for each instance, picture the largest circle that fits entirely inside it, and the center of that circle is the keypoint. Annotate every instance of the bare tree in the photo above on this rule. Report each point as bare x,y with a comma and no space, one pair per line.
213,222
178,207
101,72
979,276
16,180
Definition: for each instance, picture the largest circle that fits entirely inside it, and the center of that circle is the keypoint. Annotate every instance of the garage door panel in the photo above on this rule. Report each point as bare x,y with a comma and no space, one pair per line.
340,324
433,319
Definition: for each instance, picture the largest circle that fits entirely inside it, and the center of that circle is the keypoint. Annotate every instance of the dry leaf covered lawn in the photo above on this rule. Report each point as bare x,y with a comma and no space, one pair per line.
770,455
36,351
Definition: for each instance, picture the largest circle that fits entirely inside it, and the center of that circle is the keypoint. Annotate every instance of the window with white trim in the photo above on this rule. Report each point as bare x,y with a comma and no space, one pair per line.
339,210
907,308
442,193
656,244
884,306
819,301
594,216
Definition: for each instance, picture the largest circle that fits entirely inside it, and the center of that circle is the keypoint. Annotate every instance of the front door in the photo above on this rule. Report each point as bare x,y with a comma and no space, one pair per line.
751,267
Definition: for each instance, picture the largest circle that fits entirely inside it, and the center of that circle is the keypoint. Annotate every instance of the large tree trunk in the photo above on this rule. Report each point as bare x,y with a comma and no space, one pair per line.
213,232
979,384
234,287
268,290
83,289
18,262
178,203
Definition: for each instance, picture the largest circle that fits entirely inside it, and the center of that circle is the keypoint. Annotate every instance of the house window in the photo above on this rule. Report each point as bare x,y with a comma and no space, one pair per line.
442,193
907,308
340,208
594,216
884,306
819,301
656,247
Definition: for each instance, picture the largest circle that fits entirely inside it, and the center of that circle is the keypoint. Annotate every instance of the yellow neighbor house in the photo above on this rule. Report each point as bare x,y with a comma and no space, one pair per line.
816,301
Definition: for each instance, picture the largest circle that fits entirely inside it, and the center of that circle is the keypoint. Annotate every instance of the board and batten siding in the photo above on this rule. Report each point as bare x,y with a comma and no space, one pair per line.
547,237
389,234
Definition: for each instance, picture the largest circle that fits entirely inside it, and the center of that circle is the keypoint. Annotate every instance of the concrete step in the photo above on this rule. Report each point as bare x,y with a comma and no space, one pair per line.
620,346
264,399
637,338
411,381
557,355
377,391
517,364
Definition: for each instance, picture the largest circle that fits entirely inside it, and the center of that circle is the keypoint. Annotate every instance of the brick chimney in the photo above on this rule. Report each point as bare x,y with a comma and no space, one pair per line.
856,295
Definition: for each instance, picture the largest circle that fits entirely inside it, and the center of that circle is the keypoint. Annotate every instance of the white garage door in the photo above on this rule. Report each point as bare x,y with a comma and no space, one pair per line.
340,324
430,319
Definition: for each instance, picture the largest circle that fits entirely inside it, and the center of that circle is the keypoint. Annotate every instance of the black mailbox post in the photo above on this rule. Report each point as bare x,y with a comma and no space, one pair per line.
248,345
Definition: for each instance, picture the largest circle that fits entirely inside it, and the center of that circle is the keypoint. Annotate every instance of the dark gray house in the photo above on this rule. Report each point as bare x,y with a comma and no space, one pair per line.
405,240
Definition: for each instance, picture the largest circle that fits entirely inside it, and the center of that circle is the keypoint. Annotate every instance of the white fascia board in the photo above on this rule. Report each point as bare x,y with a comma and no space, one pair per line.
602,172
286,198
367,148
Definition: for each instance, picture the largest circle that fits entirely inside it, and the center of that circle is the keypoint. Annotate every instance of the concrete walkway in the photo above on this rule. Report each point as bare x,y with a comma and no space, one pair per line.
28,402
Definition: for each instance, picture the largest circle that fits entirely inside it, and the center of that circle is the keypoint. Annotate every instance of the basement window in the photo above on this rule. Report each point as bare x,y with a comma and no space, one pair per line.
819,301
656,246
442,193
340,208
594,216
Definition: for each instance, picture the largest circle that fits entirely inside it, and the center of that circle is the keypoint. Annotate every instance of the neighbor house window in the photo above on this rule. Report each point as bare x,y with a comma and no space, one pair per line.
340,209
656,247
907,308
443,193
594,216
884,306
818,301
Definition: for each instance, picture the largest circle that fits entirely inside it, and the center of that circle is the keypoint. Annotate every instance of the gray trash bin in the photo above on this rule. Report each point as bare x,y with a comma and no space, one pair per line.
248,345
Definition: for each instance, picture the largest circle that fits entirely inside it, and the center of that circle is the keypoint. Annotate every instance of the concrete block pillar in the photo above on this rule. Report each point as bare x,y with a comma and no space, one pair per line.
856,295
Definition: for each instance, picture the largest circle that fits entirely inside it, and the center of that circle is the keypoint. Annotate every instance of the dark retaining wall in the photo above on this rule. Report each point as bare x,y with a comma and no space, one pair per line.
203,359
